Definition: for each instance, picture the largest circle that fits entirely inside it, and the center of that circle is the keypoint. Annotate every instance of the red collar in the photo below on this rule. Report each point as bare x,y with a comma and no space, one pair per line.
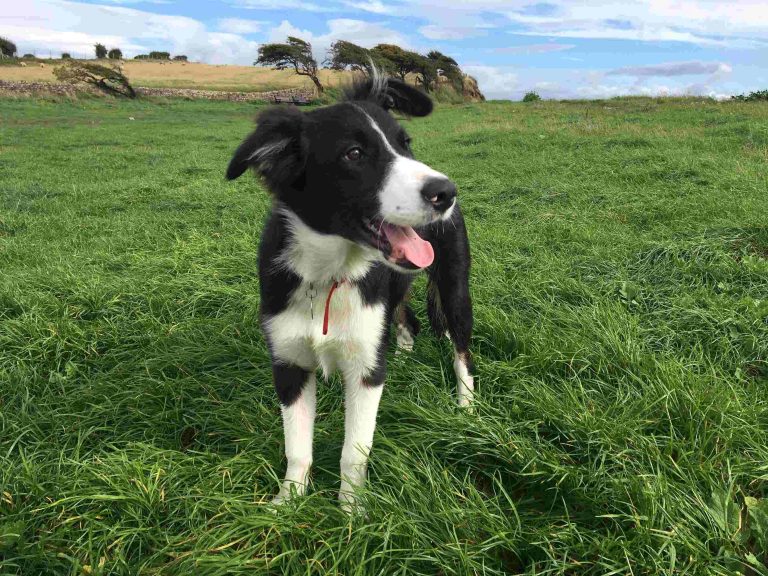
335,285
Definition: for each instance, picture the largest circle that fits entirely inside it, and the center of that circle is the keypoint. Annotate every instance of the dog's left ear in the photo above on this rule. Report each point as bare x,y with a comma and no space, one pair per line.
406,99
274,148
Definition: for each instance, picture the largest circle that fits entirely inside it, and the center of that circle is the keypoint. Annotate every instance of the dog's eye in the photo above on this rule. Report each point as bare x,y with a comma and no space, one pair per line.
353,154
407,143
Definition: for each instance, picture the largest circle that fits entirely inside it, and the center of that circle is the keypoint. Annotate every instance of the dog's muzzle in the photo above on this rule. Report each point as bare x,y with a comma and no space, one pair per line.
440,193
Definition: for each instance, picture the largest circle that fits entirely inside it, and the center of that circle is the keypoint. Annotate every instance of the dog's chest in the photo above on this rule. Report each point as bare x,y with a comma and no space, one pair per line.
354,329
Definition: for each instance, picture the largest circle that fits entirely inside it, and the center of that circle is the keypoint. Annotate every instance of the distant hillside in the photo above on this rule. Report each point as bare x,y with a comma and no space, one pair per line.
190,75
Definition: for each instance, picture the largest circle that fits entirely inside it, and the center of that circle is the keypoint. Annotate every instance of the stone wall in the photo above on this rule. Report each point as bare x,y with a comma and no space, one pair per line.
189,93
194,94
36,87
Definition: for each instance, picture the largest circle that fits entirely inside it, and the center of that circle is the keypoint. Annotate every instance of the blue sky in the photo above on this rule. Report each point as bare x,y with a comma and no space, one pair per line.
560,48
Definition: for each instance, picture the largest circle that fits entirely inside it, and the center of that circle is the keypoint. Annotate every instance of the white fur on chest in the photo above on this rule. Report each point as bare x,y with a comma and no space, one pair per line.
354,331
355,328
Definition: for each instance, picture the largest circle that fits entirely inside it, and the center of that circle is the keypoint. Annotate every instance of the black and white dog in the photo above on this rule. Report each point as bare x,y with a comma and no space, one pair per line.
354,217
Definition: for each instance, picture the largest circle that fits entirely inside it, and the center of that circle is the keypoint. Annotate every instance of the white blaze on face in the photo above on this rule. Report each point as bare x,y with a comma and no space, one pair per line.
400,195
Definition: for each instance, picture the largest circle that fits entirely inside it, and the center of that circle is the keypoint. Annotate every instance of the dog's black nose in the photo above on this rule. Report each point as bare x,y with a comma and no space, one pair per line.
439,192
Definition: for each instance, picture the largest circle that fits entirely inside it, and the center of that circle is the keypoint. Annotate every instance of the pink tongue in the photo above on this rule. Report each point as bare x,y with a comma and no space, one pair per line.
407,244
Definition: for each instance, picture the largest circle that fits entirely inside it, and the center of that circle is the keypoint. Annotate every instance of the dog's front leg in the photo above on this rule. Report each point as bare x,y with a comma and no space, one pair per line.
296,389
361,403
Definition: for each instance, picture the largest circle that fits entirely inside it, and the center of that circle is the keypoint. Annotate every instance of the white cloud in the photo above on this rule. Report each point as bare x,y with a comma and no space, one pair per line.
280,5
499,82
62,26
535,48
434,32
361,32
239,25
494,82
280,33
374,6
693,68
139,1
366,34
735,24
742,22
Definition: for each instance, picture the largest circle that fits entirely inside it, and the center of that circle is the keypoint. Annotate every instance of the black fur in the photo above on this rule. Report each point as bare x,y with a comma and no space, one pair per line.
289,381
391,94
301,159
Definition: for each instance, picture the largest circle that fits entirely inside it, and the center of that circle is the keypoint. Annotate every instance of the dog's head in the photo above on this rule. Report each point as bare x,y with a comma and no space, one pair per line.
348,170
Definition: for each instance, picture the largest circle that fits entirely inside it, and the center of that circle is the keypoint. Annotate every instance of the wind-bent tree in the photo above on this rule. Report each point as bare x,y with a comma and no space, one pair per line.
181,58
295,53
7,48
101,51
401,62
108,79
115,54
345,55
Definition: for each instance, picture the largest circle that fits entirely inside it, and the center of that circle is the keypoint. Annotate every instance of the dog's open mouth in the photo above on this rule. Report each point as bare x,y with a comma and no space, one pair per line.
400,245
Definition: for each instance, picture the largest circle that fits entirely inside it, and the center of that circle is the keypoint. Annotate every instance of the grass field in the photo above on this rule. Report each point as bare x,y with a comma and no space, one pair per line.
620,283
191,75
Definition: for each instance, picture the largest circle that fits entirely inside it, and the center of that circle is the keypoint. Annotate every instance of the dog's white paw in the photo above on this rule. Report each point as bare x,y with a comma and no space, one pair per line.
350,504
464,380
405,339
289,490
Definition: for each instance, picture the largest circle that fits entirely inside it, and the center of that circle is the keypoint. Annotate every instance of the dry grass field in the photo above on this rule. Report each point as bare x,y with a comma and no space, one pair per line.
189,75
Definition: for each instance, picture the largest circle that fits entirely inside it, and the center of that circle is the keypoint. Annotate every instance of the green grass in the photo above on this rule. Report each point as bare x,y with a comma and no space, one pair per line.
620,283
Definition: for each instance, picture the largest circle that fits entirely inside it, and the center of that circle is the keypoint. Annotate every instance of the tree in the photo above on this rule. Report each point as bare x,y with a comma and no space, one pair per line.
180,58
448,67
401,62
531,97
345,55
115,54
159,55
426,71
141,57
66,56
7,48
29,57
752,96
439,56
295,53
108,79
101,51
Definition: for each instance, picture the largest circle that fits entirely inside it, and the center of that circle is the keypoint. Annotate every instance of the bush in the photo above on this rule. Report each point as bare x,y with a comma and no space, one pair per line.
66,56
447,94
760,95
115,54
531,97
108,79
141,57
29,57
7,48
180,58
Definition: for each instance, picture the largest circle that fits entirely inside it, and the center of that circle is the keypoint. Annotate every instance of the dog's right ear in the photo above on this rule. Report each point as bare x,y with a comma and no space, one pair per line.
274,148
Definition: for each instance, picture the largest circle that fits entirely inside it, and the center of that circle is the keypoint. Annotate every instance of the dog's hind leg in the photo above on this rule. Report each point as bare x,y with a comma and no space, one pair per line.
296,389
453,307
449,304
406,326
